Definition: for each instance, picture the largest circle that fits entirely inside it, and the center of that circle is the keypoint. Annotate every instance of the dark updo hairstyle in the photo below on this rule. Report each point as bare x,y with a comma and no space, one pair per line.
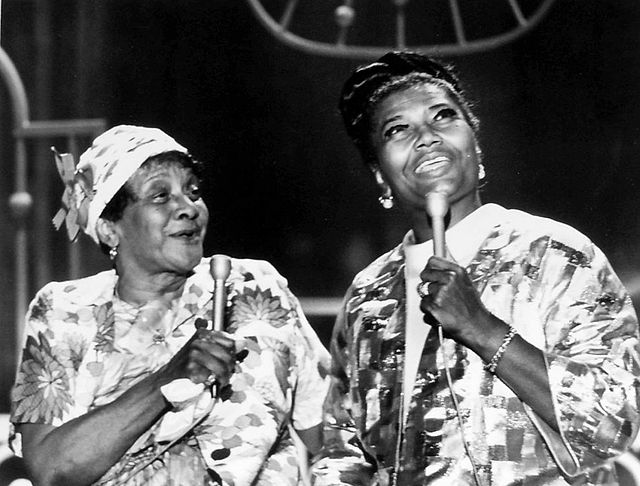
114,209
395,71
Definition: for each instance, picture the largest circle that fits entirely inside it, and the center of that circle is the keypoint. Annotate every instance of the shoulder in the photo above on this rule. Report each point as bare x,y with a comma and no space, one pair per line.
242,269
381,270
83,291
517,228
540,225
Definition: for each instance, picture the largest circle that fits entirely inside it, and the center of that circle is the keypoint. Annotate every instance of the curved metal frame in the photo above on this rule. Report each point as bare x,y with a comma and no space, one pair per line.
342,50
20,201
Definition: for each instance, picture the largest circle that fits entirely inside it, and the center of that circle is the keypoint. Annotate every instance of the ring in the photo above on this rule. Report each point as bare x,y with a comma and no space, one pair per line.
211,379
423,289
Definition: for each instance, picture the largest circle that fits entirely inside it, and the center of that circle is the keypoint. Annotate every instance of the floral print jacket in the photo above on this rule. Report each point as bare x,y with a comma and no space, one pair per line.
84,347
558,290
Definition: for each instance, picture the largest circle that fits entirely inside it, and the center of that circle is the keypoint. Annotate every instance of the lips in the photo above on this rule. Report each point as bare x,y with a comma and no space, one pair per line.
187,233
431,163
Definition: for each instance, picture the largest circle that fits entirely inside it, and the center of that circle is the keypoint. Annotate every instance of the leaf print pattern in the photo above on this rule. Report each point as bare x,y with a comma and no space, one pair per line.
40,308
71,350
42,383
105,317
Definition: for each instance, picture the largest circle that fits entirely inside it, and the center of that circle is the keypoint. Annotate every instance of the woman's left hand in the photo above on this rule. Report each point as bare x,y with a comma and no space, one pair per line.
453,301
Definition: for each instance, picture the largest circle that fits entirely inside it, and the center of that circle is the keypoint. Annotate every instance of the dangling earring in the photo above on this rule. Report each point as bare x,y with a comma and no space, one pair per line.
113,253
386,200
481,172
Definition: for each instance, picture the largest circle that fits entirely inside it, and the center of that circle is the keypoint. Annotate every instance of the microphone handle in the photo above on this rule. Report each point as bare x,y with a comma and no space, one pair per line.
439,248
220,268
219,301
437,206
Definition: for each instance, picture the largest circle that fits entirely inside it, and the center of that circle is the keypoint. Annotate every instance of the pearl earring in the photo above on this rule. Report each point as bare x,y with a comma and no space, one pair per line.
386,200
113,252
481,172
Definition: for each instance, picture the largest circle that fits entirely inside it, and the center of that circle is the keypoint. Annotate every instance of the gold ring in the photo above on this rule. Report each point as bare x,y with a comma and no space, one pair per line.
423,289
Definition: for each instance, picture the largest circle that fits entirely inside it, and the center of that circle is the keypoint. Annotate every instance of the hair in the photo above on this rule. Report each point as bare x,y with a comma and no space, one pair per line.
369,84
114,209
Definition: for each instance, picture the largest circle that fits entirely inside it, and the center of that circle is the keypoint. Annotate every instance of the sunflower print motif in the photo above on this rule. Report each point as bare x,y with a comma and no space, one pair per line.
42,383
258,306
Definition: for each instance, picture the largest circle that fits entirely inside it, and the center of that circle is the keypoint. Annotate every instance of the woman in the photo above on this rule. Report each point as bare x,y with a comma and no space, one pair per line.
511,360
122,381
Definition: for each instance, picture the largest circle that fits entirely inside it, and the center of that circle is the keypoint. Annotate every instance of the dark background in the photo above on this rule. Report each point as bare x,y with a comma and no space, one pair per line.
559,111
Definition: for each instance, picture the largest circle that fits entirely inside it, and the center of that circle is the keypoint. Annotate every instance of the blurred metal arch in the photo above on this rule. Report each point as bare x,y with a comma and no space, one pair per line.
345,15
21,202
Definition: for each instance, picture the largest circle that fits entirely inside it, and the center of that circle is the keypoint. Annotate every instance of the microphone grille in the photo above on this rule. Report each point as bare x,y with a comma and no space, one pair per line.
220,267
437,204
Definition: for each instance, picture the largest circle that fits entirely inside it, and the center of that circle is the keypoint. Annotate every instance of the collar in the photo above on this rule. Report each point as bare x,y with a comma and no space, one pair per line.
462,239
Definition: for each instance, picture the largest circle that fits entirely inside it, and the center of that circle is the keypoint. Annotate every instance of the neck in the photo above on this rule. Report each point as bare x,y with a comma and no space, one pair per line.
137,291
421,223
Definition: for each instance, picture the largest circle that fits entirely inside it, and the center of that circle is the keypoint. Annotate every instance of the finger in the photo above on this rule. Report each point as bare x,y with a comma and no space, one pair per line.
219,338
442,275
439,263
202,365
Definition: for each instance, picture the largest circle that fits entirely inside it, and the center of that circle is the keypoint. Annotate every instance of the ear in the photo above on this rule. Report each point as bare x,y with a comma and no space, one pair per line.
377,173
107,234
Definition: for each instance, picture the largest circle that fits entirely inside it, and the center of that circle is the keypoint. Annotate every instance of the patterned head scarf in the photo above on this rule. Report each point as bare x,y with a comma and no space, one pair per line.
102,170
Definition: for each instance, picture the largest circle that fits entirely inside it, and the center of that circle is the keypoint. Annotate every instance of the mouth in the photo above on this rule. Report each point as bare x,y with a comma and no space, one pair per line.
432,163
188,234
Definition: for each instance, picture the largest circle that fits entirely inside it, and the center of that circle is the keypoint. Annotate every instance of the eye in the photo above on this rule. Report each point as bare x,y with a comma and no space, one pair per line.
445,114
160,195
194,192
395,131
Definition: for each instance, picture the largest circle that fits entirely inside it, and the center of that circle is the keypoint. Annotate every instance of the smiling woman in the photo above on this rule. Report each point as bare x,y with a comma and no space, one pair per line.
537,381
122,380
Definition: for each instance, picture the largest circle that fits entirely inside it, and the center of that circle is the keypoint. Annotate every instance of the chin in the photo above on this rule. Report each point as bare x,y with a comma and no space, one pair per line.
188,263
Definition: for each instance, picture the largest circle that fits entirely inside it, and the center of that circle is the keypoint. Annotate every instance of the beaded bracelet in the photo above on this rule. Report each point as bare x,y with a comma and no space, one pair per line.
493,364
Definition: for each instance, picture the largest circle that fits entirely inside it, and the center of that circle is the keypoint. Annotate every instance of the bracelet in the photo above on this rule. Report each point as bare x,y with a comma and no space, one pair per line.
493,364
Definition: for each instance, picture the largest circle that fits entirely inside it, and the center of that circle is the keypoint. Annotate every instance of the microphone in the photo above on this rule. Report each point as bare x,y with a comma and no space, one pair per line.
220,267
437,207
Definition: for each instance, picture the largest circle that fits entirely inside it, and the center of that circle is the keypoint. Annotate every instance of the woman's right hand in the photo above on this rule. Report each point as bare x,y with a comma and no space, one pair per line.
208,356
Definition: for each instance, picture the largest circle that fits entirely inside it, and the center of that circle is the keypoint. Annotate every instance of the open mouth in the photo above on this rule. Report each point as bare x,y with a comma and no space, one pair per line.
187,234
431,164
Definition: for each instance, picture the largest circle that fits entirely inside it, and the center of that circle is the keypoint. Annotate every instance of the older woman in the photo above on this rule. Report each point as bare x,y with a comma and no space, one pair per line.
122,380
510,358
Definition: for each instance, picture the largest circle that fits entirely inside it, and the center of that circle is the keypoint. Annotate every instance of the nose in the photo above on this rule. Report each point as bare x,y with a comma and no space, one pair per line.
426,137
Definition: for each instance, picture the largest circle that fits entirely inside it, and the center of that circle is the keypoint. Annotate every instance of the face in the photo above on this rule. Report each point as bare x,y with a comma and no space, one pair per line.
422,143
163,229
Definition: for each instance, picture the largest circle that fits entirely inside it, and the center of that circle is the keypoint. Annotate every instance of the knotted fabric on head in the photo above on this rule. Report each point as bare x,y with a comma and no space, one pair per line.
359,89
102,170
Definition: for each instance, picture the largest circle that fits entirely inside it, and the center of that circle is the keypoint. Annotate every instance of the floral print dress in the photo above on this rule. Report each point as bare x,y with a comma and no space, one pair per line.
84,347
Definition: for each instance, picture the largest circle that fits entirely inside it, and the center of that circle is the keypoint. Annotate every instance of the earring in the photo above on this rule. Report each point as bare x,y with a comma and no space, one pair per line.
113,252
386,200
481,172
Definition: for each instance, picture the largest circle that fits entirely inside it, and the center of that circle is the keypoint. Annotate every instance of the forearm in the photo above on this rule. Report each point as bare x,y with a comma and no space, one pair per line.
522,367
82,450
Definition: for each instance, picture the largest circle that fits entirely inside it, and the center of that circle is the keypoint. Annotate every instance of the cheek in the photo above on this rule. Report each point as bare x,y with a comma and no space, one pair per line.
204,213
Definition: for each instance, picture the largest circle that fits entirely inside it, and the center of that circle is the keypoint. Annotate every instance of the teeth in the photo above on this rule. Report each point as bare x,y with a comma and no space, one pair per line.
424,166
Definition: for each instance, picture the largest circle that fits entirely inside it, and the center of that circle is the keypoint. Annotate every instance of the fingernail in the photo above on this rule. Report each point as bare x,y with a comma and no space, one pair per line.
201,323
241,355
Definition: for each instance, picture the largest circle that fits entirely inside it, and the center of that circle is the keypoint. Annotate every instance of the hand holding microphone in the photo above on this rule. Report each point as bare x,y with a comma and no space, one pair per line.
436,207
446,290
